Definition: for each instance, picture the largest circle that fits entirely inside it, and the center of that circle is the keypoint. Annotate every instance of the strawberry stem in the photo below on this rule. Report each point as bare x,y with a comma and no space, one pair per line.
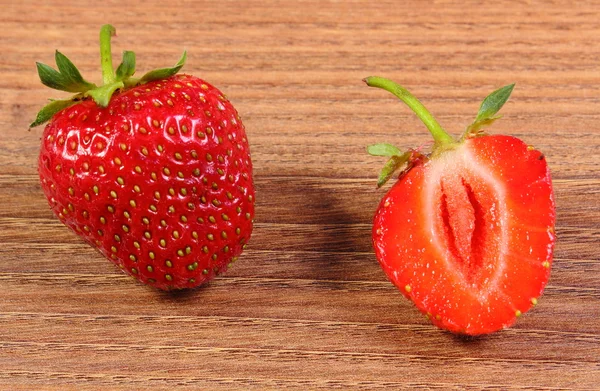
108,74
440,136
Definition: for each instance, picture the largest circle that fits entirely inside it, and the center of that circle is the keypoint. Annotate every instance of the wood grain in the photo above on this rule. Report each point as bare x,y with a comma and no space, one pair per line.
306,306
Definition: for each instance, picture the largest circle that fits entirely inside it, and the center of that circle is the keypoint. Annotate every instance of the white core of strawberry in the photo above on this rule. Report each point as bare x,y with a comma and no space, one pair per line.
471,235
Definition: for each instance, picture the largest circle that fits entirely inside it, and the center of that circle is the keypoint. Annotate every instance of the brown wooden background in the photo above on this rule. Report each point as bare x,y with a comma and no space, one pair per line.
307,306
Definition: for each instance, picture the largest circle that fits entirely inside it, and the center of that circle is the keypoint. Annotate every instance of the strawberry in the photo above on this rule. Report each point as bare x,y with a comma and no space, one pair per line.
154,172
467,231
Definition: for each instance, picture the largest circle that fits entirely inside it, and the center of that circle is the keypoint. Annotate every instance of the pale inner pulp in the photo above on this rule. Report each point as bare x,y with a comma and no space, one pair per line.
467,219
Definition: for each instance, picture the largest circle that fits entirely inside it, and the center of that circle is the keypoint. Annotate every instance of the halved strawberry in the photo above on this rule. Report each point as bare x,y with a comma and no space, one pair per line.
467,233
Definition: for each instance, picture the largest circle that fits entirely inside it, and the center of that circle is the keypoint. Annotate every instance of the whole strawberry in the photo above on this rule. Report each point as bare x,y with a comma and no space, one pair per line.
467,232
154,172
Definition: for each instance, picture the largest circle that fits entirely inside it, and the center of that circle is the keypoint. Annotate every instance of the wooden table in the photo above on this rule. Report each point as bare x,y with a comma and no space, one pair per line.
306,306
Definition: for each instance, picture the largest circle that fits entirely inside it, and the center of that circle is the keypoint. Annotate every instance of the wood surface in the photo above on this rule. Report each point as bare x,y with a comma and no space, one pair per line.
306,306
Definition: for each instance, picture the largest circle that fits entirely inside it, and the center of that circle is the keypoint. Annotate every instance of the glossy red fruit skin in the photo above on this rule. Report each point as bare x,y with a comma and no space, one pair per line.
416,252
160,181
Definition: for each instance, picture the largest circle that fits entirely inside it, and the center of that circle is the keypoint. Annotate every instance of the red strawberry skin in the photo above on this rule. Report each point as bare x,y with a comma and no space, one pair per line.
160,181
469,236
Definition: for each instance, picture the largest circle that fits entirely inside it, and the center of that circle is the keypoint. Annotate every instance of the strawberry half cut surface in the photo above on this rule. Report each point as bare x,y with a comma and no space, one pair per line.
154,172
467,232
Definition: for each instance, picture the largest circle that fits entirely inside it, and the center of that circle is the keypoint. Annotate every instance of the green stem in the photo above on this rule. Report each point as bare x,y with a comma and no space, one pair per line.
440,136
108,74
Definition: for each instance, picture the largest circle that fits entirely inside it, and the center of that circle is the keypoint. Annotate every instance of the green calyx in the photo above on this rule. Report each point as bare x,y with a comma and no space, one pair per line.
442,140
488,110
396,160
68,78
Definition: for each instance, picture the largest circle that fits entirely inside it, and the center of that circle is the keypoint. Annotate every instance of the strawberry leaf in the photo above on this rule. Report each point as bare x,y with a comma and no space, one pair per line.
383,149
126,68
494,102
489,108
164,73
50,109
476,128
392,165
71,73
50,77
67,78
